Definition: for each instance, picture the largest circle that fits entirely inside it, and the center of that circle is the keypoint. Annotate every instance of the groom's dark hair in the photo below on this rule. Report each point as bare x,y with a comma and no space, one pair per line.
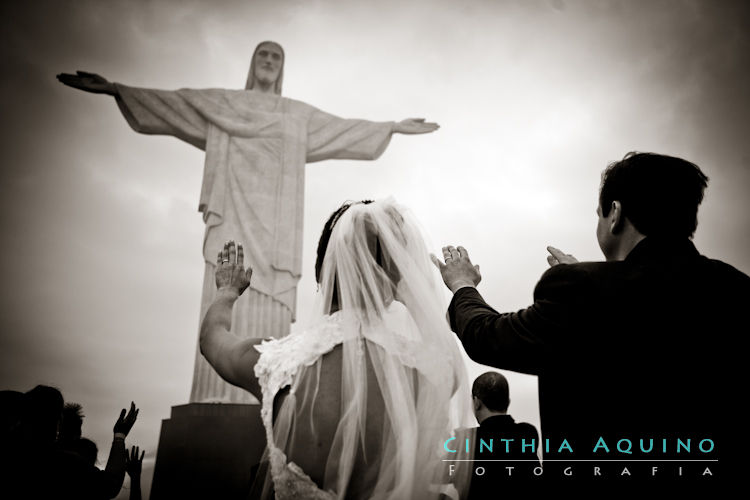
659,194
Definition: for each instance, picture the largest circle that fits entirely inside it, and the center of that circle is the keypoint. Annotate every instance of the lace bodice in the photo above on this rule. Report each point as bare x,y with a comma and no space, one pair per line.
279,363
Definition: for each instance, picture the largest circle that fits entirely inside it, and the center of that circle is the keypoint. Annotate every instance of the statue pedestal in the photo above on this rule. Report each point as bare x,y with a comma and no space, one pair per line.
208,450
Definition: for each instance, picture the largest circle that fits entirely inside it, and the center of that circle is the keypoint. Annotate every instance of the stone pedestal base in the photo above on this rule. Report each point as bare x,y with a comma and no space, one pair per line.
208,450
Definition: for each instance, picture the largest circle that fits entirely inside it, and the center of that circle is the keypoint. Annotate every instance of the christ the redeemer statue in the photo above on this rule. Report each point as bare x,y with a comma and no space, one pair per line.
257,144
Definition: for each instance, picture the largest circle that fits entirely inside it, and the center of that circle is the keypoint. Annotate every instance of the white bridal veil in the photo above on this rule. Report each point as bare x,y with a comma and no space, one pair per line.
403,385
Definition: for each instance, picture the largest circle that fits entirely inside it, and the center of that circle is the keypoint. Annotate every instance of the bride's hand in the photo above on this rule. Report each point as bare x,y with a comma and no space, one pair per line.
230,275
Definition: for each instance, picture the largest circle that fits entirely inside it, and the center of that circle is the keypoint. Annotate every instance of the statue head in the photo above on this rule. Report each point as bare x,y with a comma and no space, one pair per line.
266,67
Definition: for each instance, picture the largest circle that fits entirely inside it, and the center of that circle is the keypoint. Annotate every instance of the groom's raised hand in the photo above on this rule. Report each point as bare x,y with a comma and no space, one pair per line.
557,257
457,270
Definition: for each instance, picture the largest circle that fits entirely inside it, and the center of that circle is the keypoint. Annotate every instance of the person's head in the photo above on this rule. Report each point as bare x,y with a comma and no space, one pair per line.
325,236
371,272
490,394
42,414
266,68
647,195
86,449
72,421
11,412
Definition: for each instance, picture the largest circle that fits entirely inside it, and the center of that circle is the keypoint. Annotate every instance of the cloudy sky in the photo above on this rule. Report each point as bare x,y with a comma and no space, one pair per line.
102,264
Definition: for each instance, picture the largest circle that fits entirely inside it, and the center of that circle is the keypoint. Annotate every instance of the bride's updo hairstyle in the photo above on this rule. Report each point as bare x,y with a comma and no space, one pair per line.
369,268
325,236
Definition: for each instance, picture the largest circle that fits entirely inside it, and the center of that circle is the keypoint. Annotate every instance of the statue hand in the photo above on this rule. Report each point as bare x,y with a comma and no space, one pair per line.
556,257
229,271
90,82
415,126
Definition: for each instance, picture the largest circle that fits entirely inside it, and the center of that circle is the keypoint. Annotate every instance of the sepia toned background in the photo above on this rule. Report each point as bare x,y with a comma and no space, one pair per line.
101,239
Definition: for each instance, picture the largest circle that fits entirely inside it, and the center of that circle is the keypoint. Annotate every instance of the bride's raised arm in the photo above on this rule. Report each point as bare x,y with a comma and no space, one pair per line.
232,357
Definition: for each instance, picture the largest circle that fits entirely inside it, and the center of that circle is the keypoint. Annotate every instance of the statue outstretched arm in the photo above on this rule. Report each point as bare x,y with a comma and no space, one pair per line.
330,137
233,358
163,112
149,111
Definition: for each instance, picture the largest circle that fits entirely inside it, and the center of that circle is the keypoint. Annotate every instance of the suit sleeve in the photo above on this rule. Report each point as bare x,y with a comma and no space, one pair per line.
521,340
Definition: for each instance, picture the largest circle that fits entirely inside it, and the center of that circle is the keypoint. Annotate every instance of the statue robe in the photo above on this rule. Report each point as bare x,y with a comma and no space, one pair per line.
256,148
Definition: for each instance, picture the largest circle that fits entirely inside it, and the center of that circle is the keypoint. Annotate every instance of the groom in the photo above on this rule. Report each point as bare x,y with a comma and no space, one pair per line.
638,349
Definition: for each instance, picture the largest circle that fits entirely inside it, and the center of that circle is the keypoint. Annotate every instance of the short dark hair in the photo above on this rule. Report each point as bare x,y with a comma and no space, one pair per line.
491,388
72,421
325,236
659,194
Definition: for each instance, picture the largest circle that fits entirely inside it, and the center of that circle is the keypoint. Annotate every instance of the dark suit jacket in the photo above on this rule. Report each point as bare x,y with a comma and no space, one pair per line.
495,480
505,427
641,348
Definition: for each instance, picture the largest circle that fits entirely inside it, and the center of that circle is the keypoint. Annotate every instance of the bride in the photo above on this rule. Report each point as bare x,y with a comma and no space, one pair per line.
359,404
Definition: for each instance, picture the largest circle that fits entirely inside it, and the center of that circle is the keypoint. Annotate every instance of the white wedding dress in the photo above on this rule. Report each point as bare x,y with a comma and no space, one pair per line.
364,400
279,364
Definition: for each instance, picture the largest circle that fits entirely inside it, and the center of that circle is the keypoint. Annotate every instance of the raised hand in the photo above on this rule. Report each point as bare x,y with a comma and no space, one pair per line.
230,275
89,82
125,422
134,463
415,126
457,271
557,257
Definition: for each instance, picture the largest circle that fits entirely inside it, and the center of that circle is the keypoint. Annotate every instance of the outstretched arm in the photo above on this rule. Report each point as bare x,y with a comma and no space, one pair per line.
509,341
233,358
330,137
517,341
113,475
